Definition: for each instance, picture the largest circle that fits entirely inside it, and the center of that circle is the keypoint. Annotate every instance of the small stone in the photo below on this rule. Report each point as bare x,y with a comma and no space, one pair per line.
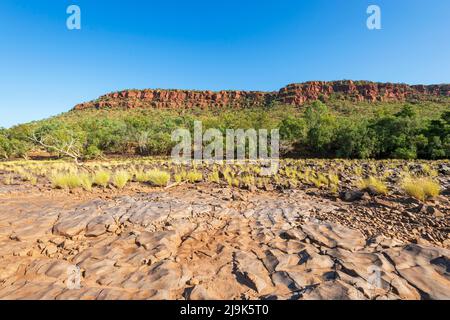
352,195
50,249
193,282
112,228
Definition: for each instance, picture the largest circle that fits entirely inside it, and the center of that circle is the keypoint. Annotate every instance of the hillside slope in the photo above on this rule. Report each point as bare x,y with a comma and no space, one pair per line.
343,119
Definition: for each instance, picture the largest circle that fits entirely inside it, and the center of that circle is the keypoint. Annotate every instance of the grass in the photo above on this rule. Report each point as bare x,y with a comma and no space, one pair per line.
121,179
373,185
141,176
66,181
86,181
293,173
27,176
8,180
214,177
421,188
101,178
158,178
318,180
180,176
333,179
431,188
248,181
194,176
429,171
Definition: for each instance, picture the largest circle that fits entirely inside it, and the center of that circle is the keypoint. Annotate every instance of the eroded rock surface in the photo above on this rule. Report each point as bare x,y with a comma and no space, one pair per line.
194,244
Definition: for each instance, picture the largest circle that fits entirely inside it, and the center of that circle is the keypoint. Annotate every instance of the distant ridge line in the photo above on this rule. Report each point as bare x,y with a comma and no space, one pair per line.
293,94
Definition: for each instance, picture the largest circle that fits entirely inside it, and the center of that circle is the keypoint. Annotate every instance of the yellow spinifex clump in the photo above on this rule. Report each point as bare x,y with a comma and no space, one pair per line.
194,176
158,178
101,178
374,185
120,179
65,181
421,188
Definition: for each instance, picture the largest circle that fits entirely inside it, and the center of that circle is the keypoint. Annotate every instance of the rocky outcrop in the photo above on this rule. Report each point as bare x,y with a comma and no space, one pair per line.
293,94
198,244
179,99
359,91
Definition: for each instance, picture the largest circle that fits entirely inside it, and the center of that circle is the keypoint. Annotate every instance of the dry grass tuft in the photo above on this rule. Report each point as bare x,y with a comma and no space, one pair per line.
194,176
121,179
101,178
421,188
373,185
65,181
158,178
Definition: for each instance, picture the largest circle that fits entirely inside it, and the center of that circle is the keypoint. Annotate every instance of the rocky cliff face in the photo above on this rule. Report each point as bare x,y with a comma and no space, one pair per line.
179,99
294,94
298,94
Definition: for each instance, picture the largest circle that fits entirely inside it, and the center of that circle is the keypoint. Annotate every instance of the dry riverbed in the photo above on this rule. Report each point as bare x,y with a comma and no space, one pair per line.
205,241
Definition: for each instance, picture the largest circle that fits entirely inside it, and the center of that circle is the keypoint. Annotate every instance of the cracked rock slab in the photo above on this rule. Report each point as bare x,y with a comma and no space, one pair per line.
193,244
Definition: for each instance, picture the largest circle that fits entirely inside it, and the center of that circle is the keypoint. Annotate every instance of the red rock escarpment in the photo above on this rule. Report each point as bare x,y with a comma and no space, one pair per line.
298,94
293,94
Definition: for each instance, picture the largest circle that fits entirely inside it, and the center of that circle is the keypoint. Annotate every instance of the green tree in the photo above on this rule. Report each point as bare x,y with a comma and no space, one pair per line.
353,139
293,129
320,127
58,138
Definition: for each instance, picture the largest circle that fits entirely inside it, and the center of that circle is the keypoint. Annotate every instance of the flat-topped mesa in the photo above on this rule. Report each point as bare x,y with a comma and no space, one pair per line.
293,94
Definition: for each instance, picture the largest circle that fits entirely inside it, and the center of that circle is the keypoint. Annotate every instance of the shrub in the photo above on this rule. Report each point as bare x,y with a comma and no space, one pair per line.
321,126
345,129
93,152
322,178
229,180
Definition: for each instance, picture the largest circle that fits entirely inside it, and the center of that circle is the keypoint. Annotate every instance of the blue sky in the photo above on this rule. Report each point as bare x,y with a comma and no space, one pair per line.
46,69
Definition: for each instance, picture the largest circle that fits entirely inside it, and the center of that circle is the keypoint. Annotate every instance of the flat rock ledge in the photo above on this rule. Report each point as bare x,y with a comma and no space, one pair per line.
194,246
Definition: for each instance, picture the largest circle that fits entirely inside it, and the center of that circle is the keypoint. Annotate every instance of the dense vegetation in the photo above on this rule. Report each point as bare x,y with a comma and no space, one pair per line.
406,131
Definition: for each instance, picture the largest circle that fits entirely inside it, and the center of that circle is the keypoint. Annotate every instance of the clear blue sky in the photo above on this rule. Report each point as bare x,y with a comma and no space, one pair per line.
45,69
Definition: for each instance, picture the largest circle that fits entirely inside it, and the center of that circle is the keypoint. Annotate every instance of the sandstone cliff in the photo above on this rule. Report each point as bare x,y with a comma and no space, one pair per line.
294,94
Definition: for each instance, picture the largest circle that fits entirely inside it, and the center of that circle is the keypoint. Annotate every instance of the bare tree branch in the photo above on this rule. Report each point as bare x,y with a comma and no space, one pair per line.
67,149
